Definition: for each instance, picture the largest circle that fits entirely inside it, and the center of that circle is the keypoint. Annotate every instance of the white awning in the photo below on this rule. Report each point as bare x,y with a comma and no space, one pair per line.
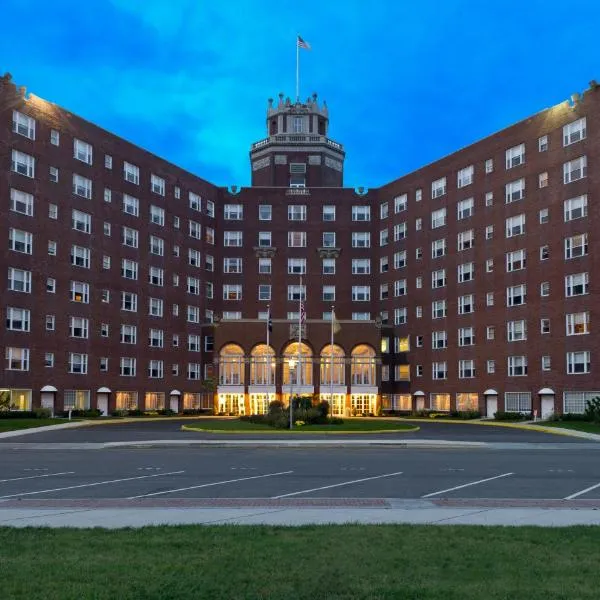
49,388
419,393
490,392
103,390
546,391
174,393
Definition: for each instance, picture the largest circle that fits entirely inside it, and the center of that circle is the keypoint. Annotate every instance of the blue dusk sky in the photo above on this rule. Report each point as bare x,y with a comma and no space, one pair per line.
406,82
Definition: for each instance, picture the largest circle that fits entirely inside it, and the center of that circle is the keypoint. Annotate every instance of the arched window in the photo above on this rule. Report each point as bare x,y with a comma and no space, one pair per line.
363,365
333,371
231,365
262,365
292,368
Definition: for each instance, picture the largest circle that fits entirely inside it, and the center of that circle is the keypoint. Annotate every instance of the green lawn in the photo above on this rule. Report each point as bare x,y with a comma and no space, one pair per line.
13,424
577,425
329,562
349,425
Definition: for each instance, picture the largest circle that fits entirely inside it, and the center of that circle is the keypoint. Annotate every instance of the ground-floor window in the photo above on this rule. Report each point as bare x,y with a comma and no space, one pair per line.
336,405
232,404
12,399
362,404
154,401
401,402
440,402
466,401
575,402
77,399
517,401
259,403
126,400
195,401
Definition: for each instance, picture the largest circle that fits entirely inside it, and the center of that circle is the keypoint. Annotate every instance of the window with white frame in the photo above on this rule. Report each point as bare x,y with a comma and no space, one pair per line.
438,187
577,284
232,291
296,266
210,208
53,175
466,336
517,366
195,202
399,232
265,239
80,256
438,278
515,225
22,163
383,210
438,248
466,369
209,263
465,208
128,334
383,237
515,156
194,343
296,292
438,218
82,186
516,295
131,173
361,293
329,239
193,314
296,239
576,402
439,340
546,363
383,291
108,161
543,180
20,241
194,230
232,238
157,245
194,257
233,212
17,359
328,213
264,292
574,132
82,151
516,260
578,323
328,293
21,202
297,212
384,266
18,319
400,259
400,203
516,331
194,371
543,143
489,165
23,124
400,316
264,266
361,266
465,176
79,327
81,221
489,265
193,286
129,301
399,288
157,184
438,309
576,246
466,304
544,326
576,208
517,402
361,239
544,215
514,191
439,370
328,266
131,206
127,367
129,269
466,239
78,363
361,213
578,362
155,371
575,169
156,276
490,332
232,265
80,292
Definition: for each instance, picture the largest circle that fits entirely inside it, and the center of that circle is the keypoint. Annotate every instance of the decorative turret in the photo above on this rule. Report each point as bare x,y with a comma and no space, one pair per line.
297,152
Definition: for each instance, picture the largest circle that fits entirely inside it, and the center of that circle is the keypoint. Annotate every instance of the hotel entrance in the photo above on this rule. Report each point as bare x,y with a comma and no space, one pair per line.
363,404
232,404
259,403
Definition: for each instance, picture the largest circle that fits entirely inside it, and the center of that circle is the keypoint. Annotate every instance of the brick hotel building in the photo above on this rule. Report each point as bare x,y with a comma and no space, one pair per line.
131,283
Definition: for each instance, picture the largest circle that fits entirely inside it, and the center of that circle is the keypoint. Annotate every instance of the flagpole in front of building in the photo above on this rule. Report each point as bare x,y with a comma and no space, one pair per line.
331,369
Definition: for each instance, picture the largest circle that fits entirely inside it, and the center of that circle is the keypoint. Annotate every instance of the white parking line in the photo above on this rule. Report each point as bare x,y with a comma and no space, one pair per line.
327,487
460,487
592,487
72,487
37,476
204,485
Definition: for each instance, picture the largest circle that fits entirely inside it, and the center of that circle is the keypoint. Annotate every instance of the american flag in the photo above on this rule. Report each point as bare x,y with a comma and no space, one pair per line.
302,313
302,44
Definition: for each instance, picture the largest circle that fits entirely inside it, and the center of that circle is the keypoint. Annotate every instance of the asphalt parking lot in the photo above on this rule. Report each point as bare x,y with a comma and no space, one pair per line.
275,473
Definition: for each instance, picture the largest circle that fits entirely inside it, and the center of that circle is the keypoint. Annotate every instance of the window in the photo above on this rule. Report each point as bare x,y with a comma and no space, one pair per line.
400,315
576,208
418,253
438,218
439,340
438,309
127,367
78,363
361,239
466,239
79,327
578,362
193,371
383,210
400,203
108,161
489,199
131,173
193,286
329,266
576,402
296,266
543,180
465,177
543,143
544,216
438,187
515,226
329,239
361,266
575,169
419,224
51,285
195,202
438,278
384,266
82,186
193,343
129,269
576,246
489,165
418,195
195,230
17,359
489,232
104,330
516,295
156,276
516,331
107,195
52,211
383,291
514,191
18,319
489,265
264,266
361,293
577,284
210,208
52,248
80,292
490,332
265,212
328,293
399,232
517,366
439,370
53,174
156,338
489,299
20,241
328,213
578,323
80,256
438,248
361,213
157,246
400,259
209,262
466,369
233,212
157,185
23,125
49,360
544,326
296,292
297,212
54,137
21,202
517,401
466,304
546,363
193,314
232,238
81,221
515,156
232,265
574,132
399,288
155,307
466,336
465,208
131,206
383,237
264,292
129,301
23,164
82,151
232,292
516,261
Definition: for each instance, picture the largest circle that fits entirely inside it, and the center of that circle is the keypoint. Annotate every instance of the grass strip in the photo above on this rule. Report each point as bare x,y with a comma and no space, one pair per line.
586,426
15,424
327,562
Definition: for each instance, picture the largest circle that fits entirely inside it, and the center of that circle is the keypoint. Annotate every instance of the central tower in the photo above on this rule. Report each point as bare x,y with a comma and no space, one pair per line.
297,151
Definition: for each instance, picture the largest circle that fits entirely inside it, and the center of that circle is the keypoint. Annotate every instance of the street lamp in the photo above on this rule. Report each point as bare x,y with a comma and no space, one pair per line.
291,364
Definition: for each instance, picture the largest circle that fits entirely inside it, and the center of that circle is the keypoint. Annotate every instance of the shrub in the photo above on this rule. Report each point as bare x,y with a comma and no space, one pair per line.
90,413
592,410
196,411
166,412
121,412
42,413
135,412
465,414
512,416
569,417
17,414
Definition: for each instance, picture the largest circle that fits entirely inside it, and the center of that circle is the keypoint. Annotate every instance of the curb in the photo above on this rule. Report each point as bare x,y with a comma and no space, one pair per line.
297,432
